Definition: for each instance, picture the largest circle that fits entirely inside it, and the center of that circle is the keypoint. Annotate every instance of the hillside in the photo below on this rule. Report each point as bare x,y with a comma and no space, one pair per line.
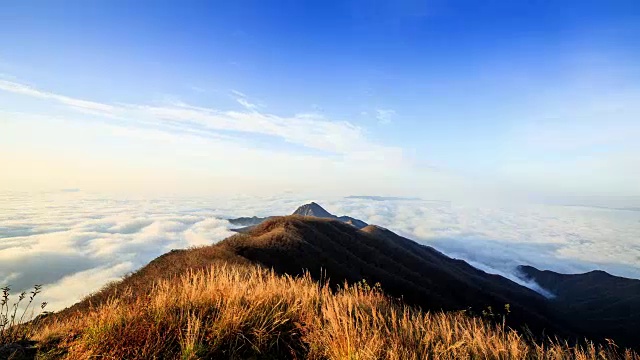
247,312
603,305
419,274
335,251
237,298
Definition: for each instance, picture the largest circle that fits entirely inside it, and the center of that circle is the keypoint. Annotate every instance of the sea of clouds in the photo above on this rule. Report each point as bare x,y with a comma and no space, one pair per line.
74,243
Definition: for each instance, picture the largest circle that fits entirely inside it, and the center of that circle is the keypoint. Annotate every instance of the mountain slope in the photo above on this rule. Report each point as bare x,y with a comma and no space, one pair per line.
602,305
231,311
332,249
419,274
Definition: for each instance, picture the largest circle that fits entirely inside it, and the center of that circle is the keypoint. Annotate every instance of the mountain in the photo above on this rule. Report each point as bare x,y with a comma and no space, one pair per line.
594,305
419,274
310,209
313,209
248,221
598,303
331,249
244,311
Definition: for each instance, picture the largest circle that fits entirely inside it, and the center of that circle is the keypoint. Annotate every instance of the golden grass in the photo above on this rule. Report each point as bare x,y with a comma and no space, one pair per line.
239,311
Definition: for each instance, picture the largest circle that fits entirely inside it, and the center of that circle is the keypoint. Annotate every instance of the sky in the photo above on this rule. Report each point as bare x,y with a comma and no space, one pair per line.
130,128
535,99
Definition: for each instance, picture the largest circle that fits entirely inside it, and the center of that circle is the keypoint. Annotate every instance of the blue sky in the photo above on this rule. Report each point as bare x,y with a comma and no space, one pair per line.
442,98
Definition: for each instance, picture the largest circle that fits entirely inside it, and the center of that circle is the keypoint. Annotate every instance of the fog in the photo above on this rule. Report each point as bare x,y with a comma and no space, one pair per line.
74,243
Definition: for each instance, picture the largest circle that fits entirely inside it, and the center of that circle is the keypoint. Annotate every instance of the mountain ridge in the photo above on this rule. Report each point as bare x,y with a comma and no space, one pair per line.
601,304
309,209
332,249
313,209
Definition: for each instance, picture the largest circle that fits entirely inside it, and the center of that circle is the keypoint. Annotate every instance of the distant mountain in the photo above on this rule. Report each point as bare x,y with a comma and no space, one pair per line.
599,304
248,221
313,209
310,209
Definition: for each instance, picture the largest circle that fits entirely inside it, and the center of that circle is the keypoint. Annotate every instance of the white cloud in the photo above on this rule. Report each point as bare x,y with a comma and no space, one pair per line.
248,105
76,242
314,132
78,104
75,286
130,146
559,238
238,93
385,116
242,99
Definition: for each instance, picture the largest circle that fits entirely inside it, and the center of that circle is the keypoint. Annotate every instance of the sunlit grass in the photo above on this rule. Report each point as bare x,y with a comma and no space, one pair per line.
232,311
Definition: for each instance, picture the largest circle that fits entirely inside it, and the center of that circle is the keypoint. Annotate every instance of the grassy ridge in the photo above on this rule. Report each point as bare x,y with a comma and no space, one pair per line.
244,311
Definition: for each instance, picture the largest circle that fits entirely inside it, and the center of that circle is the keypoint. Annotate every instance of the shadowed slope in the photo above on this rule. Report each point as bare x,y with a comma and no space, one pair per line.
419,274
601,304
332,249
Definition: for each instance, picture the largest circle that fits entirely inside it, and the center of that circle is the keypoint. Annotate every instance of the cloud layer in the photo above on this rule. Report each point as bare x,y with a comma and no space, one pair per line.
75,242
565,239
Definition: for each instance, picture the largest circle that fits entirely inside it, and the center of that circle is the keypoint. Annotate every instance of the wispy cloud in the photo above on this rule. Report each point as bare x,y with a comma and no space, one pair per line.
315,132
244,149
242,99
27,90
385,116
238,93
248,105
198,89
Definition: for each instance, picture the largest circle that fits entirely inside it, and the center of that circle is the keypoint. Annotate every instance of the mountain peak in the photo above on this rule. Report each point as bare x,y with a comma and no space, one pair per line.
313,209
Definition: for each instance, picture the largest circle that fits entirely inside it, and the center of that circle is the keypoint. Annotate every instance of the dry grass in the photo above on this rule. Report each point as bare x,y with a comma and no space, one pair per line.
239,311
15,325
